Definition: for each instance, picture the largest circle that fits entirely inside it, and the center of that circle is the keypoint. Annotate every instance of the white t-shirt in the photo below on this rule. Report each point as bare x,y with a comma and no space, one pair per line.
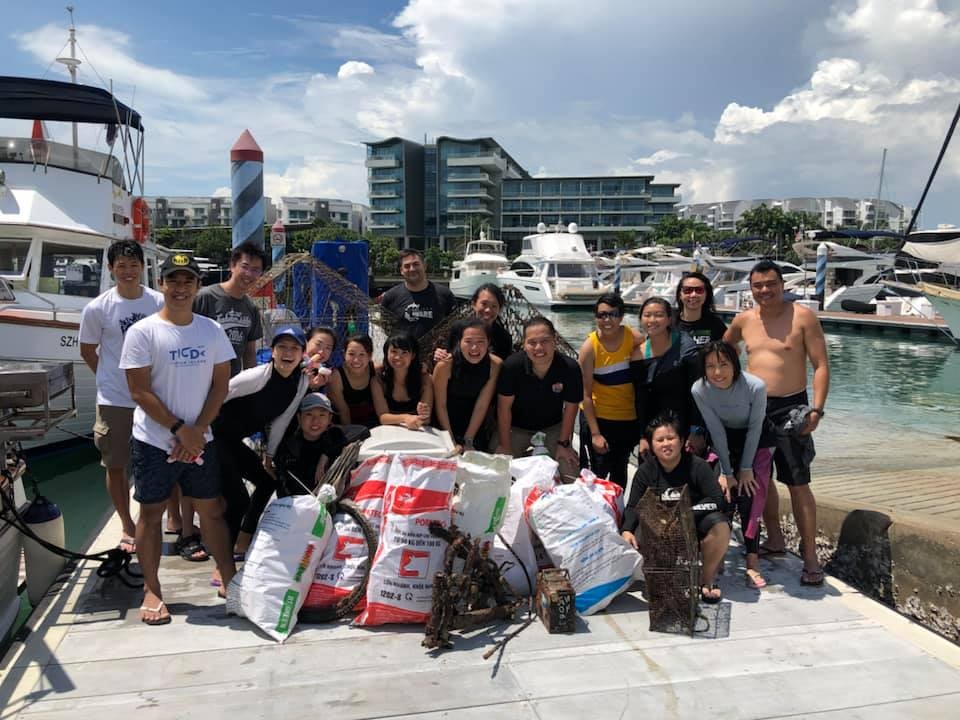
181,359
103,322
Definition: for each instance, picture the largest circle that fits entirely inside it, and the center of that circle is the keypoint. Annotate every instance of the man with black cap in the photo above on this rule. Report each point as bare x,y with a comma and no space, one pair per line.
177,367
262,398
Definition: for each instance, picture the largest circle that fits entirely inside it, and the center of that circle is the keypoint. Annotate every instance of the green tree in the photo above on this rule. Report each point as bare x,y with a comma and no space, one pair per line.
625,239
166,236
384,255
214,243
437,260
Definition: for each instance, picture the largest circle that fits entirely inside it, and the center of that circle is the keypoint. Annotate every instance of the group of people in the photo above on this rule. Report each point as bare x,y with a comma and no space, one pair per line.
673,389
179,394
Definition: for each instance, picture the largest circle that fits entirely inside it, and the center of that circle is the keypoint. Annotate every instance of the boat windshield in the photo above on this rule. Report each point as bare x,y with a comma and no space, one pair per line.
570,270
70,270
13,256
54,154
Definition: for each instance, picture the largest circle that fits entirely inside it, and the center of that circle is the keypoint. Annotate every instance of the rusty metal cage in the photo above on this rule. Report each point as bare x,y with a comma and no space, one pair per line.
671,560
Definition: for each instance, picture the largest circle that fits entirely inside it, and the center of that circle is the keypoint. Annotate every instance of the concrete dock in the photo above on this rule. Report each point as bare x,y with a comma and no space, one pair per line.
788,651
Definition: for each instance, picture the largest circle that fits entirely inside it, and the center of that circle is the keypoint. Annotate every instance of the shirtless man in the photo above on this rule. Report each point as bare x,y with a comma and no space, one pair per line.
780,337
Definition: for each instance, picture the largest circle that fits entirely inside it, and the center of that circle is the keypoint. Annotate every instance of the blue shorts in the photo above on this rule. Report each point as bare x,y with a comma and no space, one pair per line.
154,477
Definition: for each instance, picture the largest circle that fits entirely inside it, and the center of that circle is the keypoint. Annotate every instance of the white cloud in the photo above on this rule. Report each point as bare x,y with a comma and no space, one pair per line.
354,68
658,158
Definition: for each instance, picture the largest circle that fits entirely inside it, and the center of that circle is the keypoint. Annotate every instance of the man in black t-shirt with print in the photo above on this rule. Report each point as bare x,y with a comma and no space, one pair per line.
417,304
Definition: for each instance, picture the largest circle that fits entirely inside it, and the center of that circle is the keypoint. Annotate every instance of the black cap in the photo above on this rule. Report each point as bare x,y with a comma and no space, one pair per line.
179,261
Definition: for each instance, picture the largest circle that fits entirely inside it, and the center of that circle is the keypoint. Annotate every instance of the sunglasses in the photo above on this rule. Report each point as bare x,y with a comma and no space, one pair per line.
694,290
608,315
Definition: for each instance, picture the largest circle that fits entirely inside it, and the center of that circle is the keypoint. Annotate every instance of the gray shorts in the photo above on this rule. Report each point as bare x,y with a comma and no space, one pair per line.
111,434
154,477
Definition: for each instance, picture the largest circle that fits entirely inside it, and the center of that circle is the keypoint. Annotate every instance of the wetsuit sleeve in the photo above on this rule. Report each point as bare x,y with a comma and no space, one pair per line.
641,481
641,392
718,432
758,414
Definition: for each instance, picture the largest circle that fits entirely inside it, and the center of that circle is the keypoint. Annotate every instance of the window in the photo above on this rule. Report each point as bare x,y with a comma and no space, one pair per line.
531,205
590,187
509,205
70,270
570,187
612,204
521,268
634,187
570,205
569,270
13,256
550,188
612,187
590,204
550,205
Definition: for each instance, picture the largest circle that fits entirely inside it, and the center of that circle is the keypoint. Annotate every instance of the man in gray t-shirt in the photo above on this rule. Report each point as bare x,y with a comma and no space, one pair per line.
229,304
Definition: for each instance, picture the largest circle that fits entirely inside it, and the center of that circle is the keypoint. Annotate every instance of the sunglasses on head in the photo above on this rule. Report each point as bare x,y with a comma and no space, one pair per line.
694,290
608,315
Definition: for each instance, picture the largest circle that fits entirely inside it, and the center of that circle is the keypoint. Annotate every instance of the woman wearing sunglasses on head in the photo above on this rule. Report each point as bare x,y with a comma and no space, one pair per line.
695,308
609,430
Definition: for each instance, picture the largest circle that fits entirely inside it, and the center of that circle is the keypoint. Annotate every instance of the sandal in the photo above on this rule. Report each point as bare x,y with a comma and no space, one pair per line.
163,615
812,577
707,596
191,549
755,581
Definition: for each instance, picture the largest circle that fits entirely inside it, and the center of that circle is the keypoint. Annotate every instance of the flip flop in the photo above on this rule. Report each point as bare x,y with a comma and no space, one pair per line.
710,599
162,620
189,547
127,544
755,581
812,577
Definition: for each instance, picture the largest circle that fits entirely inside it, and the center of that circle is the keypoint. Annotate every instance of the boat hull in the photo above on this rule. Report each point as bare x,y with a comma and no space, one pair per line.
464,286
947,303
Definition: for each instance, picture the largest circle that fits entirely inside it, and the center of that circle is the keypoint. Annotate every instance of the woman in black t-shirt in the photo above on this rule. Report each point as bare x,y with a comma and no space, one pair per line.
695,309
464,385
407,388
358,385
674,467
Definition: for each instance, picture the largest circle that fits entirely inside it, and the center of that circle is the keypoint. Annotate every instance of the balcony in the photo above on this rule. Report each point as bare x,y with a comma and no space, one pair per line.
382,161
385,194
384,225
673,199
479,210
469,194
488,159
386,179
480,177
384,211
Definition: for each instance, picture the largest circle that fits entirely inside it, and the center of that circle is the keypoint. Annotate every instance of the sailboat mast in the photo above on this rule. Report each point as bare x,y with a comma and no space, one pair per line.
876,210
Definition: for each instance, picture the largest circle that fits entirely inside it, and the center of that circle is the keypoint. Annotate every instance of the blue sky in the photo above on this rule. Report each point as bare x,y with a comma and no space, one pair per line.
732,100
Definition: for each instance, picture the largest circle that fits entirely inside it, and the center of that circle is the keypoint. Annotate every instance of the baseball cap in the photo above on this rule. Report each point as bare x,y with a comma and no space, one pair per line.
179,261
291,331
315,400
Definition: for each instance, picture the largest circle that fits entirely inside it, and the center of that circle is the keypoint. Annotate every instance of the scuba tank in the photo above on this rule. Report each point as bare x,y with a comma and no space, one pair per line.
45,519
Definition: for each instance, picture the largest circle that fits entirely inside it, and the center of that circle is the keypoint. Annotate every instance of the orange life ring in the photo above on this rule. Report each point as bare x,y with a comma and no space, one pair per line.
140,211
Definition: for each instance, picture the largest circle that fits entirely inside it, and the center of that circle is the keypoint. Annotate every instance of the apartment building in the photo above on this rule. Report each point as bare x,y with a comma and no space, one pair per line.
427,195
833,213
199,212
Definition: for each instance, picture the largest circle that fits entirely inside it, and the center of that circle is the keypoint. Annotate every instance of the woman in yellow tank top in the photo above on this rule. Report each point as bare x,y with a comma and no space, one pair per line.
609,429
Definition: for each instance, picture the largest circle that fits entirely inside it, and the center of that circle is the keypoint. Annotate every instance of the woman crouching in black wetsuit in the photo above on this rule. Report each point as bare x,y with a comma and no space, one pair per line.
674,467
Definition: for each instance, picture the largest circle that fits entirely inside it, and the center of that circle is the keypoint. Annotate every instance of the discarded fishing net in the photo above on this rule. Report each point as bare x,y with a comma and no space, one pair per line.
671,560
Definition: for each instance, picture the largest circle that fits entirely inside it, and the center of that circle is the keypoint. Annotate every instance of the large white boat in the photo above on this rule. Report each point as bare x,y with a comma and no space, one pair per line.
554,269
482,260
61,206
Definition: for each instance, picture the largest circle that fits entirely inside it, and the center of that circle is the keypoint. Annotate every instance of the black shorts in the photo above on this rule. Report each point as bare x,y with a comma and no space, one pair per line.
793,453
154,477
706,522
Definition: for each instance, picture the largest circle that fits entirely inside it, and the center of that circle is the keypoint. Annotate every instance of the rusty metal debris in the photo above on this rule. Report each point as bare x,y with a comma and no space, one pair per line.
470,591
671,560
556,601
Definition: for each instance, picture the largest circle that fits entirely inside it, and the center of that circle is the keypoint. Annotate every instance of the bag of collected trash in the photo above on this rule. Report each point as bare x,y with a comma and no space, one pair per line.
344,561
579,532
480,494
400,589
513,548
606,494
281,562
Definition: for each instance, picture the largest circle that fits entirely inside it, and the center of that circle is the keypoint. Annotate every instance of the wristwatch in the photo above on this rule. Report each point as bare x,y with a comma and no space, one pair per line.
818,411
176,426
468,443
563,443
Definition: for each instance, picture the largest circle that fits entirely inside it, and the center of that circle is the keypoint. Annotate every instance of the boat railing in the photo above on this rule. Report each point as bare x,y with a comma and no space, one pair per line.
46,153
40,298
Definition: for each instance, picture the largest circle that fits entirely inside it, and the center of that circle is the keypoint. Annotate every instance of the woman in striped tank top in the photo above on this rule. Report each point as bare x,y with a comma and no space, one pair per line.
609,427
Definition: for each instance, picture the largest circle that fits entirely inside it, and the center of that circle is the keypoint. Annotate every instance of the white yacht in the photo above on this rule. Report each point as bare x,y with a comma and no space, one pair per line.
482,260
554,269
61,206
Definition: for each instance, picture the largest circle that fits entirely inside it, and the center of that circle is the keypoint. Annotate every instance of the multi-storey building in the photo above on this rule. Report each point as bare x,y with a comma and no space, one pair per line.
430,194
200,212
603,207
833,213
